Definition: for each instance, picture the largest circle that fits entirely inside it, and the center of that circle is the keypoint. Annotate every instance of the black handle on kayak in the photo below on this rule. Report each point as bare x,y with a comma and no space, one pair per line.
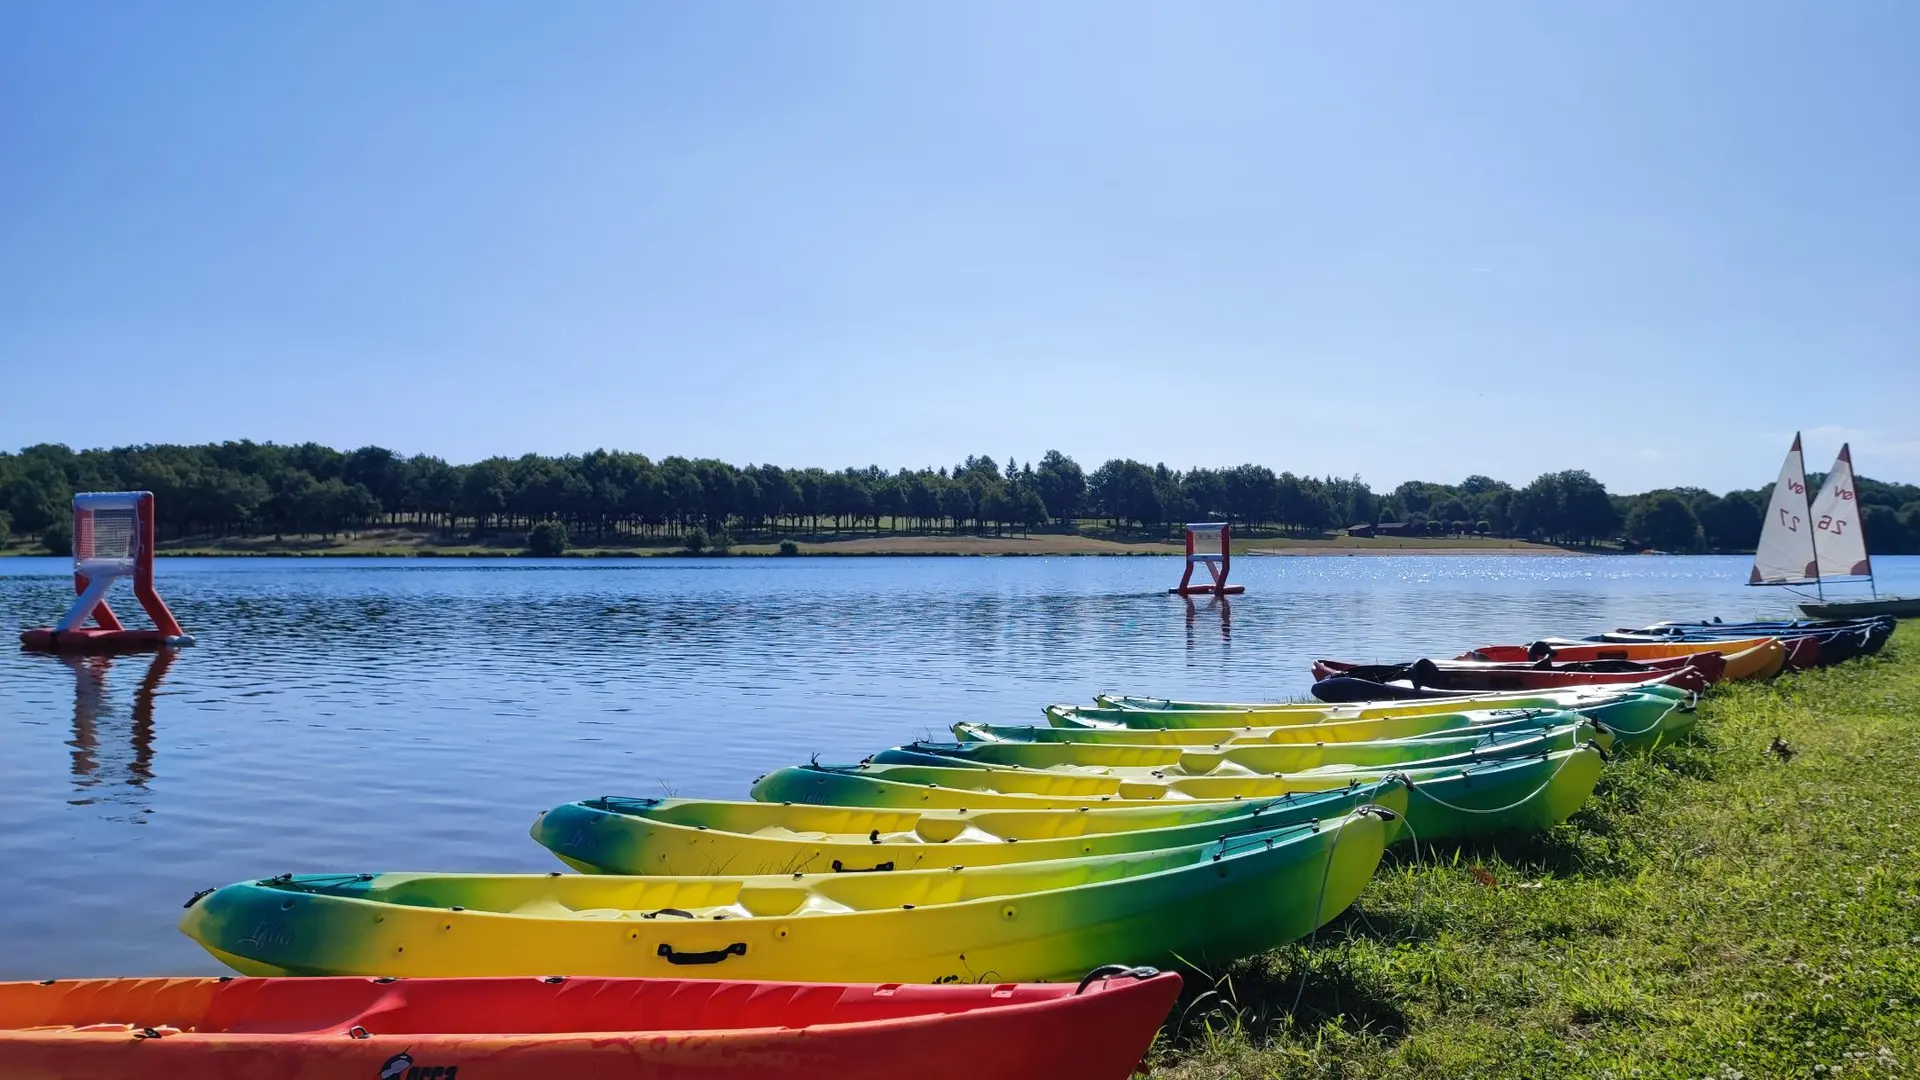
840,868
1108,971
738,948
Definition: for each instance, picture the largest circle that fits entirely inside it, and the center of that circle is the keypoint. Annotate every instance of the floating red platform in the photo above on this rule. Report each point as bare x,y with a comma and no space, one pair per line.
92,639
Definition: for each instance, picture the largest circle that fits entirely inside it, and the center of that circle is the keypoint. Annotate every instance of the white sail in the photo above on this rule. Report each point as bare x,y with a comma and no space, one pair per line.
1785,555
1835,514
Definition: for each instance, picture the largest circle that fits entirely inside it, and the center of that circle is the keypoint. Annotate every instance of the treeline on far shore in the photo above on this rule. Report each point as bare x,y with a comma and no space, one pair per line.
248,489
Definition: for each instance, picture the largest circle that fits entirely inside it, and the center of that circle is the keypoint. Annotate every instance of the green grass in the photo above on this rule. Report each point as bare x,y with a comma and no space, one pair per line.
1717,911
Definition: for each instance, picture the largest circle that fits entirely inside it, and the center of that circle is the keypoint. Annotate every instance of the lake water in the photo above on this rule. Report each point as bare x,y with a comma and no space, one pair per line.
350,715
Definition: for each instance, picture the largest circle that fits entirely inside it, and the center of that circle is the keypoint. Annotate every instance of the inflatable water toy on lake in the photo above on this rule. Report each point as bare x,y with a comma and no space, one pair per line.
113,538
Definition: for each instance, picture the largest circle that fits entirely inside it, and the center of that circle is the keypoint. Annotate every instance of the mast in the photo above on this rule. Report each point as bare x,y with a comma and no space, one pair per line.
1819,579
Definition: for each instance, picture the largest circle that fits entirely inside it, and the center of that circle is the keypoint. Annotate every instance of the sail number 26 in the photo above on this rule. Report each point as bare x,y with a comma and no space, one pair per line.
1827,524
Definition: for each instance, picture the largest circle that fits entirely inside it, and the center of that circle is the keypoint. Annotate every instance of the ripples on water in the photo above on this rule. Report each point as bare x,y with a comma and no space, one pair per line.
407,714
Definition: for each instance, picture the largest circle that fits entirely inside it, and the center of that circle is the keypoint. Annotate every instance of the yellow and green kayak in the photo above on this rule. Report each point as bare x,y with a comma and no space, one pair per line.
1530,792
1229,730
697,836
1202,905
1197,761
1099,780
1638,719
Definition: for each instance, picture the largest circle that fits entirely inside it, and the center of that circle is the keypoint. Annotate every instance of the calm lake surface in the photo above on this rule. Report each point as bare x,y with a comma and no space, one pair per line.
350,715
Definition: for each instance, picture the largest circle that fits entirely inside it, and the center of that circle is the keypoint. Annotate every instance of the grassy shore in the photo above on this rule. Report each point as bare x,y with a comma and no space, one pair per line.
1727,908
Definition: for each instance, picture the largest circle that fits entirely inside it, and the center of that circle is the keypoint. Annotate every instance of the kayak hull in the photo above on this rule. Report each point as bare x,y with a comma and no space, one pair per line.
1519,793
1204,905
539,1029
688,836
1695,672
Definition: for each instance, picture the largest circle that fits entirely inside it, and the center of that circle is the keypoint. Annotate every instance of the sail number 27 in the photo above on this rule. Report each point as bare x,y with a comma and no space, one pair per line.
1791,521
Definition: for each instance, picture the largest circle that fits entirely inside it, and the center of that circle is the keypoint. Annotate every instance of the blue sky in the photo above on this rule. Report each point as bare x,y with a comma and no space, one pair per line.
1398,240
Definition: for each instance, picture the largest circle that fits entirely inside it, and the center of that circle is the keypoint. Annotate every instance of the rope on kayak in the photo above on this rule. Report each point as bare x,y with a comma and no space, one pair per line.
1320,900
1522,801
1108,971
1656,722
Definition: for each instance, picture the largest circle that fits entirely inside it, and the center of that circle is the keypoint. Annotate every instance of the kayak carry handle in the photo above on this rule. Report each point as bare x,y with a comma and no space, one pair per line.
1108,971
738,948
841,868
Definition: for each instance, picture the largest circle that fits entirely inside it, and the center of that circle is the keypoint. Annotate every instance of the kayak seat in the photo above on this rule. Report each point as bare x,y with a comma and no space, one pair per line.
772,901
946,830
779,832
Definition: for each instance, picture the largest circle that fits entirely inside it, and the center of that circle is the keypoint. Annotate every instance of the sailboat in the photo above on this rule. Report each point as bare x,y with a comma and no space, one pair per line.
1818,541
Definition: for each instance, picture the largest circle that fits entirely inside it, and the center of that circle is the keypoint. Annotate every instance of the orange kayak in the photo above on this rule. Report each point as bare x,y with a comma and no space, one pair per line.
1747,658
546,1029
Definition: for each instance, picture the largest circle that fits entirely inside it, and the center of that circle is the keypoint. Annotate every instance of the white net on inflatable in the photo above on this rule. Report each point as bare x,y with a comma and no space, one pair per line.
106,533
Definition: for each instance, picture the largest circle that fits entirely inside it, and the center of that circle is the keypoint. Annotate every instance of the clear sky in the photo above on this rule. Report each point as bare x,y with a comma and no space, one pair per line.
1408,240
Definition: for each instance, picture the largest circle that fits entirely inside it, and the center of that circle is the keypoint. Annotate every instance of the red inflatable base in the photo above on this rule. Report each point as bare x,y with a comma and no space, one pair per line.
95,640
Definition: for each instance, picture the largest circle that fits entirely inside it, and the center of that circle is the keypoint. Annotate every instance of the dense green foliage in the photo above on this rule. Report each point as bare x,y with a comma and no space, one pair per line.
1743,905
57,538
255,489
547,539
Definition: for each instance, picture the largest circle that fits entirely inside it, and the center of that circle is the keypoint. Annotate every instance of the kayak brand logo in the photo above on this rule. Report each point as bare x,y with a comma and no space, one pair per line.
267,933
401,1067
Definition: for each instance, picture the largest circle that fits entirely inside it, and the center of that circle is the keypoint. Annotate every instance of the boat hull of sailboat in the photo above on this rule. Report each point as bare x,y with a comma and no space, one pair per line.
1897,607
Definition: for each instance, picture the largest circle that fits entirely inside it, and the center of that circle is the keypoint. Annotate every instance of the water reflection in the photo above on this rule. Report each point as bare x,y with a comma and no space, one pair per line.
1202,617
98,761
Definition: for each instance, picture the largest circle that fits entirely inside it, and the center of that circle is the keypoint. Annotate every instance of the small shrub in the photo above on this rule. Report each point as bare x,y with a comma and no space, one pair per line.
6,527
788,547
722,542
696,540
58,538
548,539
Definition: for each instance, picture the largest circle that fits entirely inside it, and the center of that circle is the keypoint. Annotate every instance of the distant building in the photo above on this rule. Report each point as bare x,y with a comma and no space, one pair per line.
1385,528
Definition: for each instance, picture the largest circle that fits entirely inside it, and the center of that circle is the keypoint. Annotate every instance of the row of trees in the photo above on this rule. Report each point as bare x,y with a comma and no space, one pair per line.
246,488
1694,519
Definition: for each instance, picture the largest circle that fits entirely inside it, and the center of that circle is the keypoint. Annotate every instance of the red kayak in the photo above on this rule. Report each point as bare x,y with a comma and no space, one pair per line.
572,1029
1694,673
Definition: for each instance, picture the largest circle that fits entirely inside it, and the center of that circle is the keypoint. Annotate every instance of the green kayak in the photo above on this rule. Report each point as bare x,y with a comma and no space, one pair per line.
1206,905
1199,761
697,836
1526,792
1102,779
1638,719
1433,725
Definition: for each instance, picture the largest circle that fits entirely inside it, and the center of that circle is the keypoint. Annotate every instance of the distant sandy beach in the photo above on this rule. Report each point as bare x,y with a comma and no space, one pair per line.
1517,549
